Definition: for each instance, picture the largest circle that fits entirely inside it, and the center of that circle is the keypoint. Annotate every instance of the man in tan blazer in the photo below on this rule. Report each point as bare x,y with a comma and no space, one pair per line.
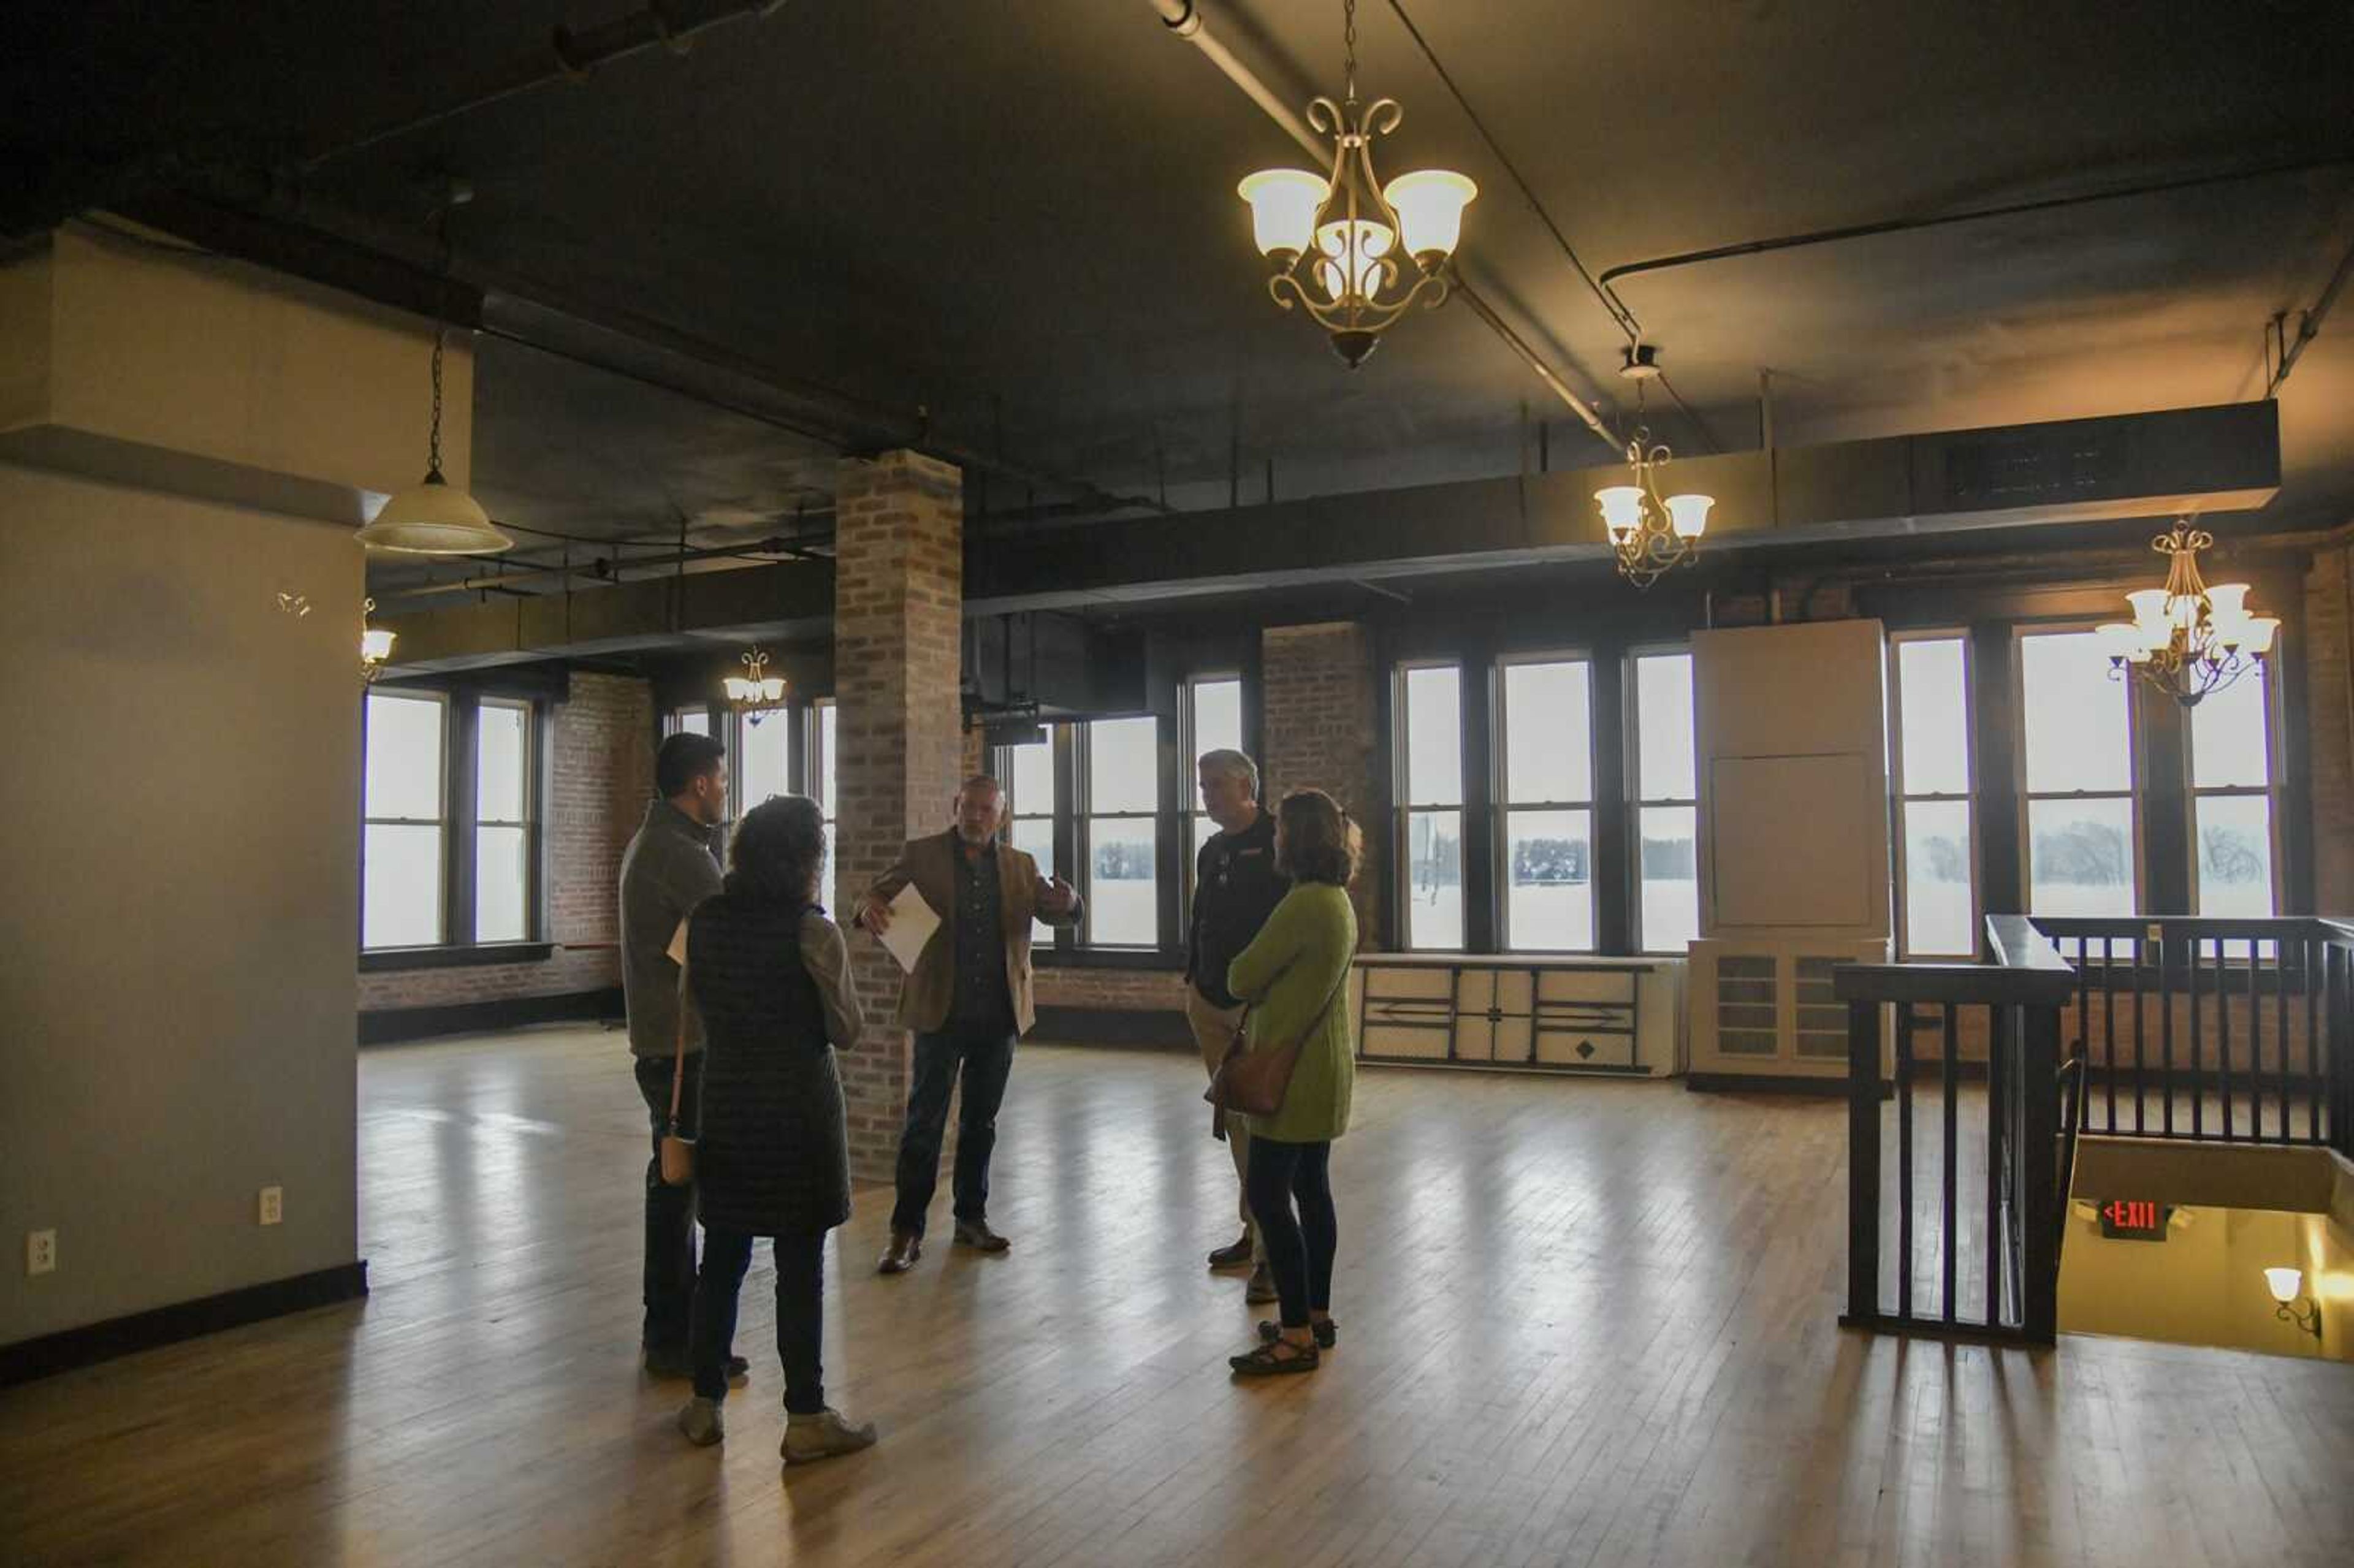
968,1000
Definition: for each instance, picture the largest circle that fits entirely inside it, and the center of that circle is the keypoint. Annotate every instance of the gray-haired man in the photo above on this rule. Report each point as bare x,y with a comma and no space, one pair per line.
1235,888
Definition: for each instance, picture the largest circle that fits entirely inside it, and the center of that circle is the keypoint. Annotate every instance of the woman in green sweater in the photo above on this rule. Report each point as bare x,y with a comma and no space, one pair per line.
1295,976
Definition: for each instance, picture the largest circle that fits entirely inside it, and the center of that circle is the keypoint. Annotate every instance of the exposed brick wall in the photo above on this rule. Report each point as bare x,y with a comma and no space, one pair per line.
1135,991
601,775
2329,716
898,601
1321,701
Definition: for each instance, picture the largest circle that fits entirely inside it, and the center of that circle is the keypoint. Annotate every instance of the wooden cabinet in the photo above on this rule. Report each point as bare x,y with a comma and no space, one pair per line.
1548,1015
1766,1007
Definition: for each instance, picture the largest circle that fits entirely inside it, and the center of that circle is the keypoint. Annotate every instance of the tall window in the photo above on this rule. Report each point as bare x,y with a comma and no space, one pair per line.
1214,722
820,783
1121,768
2232,805
1030,786
502,836
1548,722
1936,899
406,812
2077,767
761,762
1430,730
1667,804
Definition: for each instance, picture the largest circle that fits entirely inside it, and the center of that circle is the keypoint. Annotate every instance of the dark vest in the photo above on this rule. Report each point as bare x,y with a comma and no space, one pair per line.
771,1159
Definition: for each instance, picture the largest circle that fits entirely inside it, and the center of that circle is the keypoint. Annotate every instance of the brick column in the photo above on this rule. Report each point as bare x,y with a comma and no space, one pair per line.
897,603
1321,697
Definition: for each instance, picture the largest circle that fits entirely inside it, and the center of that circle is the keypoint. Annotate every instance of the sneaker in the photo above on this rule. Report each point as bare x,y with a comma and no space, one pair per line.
809,1438
1238,1256
1261,1289
699,1419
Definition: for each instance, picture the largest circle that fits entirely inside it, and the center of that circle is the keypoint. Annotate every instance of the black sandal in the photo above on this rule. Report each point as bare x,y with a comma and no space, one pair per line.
1269,1359
1324,1329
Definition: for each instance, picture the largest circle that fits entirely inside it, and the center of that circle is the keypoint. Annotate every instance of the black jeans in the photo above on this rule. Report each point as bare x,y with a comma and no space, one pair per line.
1299,1248
670,1212
801,1314
986,1059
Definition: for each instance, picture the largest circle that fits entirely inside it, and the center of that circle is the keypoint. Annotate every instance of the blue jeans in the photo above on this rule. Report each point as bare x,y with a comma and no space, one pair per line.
669,1282
986,1060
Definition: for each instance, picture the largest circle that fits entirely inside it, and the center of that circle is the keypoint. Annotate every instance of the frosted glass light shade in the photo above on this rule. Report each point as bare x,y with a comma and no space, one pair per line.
1283,203
1622,508
2285,1284
434,518
2258,636
375,644
2149,612
1688,515
2118,639
1430,203
2227,602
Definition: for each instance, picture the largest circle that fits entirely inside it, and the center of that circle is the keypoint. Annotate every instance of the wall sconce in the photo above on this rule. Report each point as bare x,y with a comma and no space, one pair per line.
2291,1304
375,645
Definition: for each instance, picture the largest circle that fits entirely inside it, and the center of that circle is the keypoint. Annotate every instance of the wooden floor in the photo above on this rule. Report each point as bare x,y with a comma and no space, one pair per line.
1584,1322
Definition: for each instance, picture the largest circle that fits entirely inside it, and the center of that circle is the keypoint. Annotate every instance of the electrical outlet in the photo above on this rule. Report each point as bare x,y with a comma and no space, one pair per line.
42,1252
273,1205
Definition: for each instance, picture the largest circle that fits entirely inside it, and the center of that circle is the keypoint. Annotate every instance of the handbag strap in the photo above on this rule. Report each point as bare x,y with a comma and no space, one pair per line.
1338,986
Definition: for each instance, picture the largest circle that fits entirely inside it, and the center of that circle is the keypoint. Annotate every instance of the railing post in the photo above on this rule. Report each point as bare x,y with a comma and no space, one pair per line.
1862,1160
2041,1202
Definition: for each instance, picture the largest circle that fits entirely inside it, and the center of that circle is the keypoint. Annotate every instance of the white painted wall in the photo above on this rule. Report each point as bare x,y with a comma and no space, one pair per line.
179,855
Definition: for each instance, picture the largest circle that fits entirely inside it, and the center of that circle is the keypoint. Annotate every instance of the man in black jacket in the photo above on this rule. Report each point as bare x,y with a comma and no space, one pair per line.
1235,888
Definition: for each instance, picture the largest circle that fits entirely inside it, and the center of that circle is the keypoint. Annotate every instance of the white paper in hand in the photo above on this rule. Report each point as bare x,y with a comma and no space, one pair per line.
913,921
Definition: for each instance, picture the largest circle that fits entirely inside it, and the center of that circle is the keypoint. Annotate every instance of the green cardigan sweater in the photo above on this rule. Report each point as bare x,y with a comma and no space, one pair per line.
1287,974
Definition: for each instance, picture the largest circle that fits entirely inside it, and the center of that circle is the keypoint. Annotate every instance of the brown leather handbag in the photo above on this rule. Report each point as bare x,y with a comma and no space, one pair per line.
1253,1083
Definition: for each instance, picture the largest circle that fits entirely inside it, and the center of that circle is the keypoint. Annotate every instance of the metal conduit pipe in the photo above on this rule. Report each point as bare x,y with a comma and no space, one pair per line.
1183,18
609,568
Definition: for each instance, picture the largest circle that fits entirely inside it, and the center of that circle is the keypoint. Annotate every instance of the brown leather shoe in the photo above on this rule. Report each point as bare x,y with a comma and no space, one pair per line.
976,1234
901,1254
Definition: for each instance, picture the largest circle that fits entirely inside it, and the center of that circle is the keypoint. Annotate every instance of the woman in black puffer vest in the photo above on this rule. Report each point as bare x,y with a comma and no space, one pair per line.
768,974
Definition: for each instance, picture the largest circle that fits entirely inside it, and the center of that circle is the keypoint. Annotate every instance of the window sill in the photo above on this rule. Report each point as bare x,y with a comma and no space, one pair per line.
384,960
1107,959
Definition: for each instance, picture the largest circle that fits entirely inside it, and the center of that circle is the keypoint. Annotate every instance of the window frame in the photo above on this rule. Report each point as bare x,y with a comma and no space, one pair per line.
1637,802
1504,806
1900,796
2270,791
529,822
2137,772
444,827
1080,786
1189,756
1001,769
1403,811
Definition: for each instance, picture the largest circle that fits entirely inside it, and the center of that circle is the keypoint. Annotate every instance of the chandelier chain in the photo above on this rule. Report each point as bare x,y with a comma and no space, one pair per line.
433,436
1349,42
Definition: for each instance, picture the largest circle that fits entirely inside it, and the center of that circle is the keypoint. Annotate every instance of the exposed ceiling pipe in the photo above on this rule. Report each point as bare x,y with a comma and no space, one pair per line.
1184,19
610,569
2013,209
2310,323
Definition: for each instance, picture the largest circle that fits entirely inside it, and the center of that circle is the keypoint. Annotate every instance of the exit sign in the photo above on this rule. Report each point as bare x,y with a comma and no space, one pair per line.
2134,1219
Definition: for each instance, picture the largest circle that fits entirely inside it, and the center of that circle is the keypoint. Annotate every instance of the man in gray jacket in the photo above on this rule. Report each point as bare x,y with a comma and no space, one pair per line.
670,866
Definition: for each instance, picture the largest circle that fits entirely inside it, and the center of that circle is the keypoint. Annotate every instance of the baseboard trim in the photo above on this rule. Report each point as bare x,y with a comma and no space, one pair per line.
1157,1028
94,1342
390,1025
1764,1084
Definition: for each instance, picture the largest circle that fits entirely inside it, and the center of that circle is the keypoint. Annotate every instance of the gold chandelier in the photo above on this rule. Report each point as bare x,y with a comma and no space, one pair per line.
1650,536
375,645
1334,240
755,688
2188,638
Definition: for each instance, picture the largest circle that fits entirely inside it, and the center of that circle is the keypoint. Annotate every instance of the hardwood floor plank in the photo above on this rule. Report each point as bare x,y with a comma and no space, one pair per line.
1582,1323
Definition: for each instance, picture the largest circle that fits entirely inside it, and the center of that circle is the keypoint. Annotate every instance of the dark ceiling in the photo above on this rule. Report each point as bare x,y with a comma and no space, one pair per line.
1020,218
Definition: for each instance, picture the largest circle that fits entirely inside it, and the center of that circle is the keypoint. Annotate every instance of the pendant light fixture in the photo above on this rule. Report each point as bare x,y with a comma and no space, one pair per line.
2187,639
375,645
1650,536
434,517
1335,240
755,689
